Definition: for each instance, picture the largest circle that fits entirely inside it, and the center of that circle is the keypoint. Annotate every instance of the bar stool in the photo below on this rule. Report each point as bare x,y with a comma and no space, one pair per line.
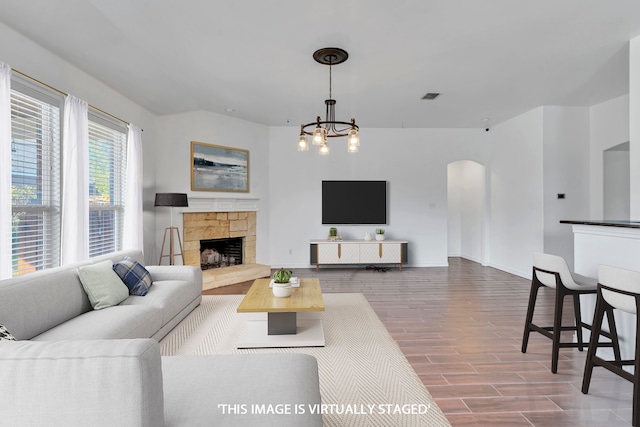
617,289
552,271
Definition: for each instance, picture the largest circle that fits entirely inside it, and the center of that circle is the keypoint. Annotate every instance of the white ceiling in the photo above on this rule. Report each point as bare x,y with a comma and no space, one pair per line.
488,58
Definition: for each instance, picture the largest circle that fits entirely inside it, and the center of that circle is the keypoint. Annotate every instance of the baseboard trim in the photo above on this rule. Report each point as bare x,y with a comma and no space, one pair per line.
510,270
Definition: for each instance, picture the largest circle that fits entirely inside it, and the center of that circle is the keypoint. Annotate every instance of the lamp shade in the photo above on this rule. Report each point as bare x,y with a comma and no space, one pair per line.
171,199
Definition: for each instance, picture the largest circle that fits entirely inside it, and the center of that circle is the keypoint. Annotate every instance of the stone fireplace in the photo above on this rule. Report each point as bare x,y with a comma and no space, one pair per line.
209,226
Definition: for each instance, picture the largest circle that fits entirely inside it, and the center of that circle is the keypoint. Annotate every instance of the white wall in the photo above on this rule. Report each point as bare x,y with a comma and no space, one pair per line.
516,192
24,55
172,156
413,161
565,170
608,127
634,125
472,211
616,183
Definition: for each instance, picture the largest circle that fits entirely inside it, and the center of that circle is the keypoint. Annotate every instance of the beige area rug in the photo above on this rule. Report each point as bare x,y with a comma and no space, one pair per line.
365,380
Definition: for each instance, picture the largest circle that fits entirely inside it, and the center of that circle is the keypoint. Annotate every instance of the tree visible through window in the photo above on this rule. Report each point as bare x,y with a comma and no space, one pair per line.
106,188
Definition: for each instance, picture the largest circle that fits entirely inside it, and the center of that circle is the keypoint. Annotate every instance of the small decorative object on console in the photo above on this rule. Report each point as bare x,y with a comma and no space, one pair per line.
367,236
379,233
333,234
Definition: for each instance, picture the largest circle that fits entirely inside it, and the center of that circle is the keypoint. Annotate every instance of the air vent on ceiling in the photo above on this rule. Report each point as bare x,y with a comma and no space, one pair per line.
431,95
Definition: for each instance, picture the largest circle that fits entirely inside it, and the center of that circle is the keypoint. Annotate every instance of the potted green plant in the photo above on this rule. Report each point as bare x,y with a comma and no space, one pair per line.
379,233
333,234
281,283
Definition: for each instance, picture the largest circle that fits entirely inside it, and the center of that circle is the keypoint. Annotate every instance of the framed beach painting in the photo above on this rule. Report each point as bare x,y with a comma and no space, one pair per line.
219,168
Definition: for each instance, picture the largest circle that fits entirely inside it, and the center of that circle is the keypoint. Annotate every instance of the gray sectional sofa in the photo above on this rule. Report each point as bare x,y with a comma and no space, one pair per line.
51,305
75,366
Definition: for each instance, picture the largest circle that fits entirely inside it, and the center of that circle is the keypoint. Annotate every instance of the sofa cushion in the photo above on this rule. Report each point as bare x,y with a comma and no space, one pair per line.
54,296
102,285
197,389
134,275
170,296
81,383
6,335
110,323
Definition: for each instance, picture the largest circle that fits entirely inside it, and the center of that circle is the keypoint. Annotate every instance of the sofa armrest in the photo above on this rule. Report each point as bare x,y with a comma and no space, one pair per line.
187,273
81,383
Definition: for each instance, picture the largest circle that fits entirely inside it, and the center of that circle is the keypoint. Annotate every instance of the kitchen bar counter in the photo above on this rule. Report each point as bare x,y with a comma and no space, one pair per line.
604,223
614,243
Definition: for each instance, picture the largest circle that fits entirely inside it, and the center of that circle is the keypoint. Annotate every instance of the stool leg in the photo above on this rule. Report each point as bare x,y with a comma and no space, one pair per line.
596,328
557,328
532,303
635,417
577,314
614,336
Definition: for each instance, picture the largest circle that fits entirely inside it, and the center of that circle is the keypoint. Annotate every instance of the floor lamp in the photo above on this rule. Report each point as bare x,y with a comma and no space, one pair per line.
171,200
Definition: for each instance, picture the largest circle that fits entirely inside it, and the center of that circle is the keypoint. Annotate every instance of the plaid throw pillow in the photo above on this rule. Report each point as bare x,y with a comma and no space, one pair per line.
134,275
6,335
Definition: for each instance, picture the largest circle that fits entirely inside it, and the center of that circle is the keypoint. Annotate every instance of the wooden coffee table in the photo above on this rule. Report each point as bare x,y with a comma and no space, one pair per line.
274,322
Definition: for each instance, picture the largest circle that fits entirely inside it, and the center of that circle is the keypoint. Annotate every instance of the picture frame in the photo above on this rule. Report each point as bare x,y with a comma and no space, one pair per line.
219,168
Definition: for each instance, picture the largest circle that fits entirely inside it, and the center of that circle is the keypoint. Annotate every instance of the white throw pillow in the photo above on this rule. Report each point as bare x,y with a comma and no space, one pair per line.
102,285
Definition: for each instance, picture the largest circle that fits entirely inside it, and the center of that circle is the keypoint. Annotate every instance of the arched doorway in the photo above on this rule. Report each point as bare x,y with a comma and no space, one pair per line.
466,196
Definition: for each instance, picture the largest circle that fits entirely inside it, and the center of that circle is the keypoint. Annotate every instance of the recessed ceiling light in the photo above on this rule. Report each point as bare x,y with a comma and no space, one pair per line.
431,95
230,110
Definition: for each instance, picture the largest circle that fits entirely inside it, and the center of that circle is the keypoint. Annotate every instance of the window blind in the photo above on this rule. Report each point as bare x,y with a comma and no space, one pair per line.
35,183
107,172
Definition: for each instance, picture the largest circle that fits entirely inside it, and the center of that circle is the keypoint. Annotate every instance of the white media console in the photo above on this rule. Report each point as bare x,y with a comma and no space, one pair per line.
358,252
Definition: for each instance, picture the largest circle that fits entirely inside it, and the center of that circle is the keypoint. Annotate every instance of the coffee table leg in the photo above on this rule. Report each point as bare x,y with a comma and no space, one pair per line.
281,323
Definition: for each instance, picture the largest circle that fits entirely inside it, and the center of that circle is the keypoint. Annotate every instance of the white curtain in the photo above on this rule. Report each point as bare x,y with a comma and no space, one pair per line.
75,182
133,231
5,171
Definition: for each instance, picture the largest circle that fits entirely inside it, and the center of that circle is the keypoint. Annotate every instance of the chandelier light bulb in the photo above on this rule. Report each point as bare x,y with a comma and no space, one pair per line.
324,149
353,138
319,136
302,143
351,148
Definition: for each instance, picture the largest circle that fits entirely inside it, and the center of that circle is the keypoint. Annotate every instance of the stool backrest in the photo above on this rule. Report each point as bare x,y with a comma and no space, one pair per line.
553,263
620,279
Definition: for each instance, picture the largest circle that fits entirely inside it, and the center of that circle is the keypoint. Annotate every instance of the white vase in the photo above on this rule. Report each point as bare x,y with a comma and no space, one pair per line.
281,290
379,236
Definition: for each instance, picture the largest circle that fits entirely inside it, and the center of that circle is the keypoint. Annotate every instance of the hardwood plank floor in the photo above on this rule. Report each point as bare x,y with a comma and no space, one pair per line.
461,329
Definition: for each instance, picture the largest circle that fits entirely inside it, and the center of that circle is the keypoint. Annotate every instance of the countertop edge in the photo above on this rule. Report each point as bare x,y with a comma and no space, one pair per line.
604,223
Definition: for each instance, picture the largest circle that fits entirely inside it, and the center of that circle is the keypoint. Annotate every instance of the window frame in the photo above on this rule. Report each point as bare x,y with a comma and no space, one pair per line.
50,172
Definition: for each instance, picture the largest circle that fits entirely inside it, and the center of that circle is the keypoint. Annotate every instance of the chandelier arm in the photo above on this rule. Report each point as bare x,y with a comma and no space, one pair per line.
339,132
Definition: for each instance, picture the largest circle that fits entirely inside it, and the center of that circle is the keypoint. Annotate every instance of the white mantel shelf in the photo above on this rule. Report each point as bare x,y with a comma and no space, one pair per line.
221,204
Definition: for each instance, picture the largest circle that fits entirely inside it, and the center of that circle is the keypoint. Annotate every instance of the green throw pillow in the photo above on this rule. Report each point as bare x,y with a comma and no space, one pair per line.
102,285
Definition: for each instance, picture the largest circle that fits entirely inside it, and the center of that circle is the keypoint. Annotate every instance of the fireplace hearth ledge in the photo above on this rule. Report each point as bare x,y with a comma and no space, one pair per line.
217,277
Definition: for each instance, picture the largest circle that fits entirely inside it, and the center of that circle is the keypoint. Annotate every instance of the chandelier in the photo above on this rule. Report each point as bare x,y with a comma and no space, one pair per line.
321,130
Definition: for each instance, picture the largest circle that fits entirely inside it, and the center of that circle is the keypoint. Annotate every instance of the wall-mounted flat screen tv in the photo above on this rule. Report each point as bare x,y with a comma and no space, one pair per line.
354,202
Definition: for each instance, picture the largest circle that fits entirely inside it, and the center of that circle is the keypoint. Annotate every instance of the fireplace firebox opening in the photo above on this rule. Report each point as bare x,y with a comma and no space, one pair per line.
218,253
